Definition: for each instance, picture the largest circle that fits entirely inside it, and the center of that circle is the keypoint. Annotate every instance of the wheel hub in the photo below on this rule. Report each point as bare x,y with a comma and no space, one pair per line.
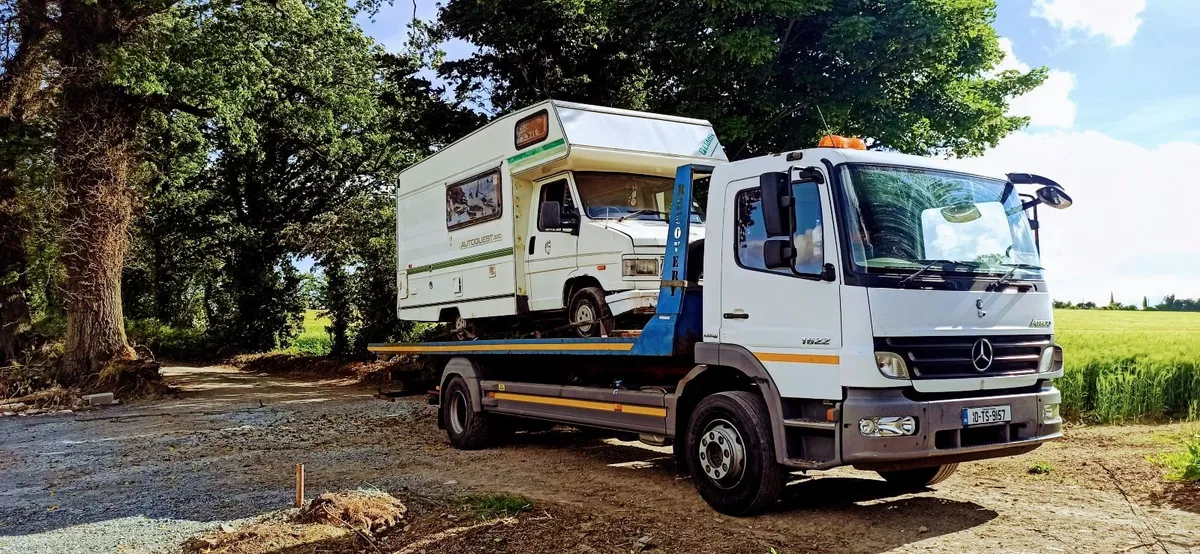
722,453
458,412
584,317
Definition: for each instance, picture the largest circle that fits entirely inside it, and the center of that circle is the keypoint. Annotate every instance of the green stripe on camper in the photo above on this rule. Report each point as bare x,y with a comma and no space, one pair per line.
529,155
464,260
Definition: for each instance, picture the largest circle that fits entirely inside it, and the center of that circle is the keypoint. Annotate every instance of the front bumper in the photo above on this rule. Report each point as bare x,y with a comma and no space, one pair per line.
941,437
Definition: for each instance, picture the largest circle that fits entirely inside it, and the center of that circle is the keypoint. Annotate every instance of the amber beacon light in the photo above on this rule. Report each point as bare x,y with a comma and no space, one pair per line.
837,141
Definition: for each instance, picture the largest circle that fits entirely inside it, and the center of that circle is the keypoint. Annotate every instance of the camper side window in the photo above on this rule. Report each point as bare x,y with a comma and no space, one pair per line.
474,200
559,192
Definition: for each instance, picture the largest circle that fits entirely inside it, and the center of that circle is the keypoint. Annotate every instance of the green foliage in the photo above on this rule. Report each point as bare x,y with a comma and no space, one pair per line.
487,506
1127,366
1183,465
1040,468
171,343
911,75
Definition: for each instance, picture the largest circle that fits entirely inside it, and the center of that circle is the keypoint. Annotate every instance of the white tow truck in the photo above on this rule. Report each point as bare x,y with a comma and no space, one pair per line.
845,307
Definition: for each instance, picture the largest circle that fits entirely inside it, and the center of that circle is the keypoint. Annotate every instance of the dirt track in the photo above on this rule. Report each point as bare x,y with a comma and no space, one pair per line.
139,478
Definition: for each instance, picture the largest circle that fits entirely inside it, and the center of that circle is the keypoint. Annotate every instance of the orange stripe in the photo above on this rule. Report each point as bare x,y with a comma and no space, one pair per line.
798,358
585,404
468,347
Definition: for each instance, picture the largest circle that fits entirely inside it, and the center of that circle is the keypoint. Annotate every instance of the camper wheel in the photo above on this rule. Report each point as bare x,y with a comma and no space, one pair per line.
464,329
588,313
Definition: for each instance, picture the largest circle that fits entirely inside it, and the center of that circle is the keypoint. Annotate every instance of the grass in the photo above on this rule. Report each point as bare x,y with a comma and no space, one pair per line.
488,506
1128,366
1183,465
314,339
1040,468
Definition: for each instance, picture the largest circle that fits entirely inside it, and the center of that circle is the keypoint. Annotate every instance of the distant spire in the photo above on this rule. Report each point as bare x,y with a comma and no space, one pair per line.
1111,299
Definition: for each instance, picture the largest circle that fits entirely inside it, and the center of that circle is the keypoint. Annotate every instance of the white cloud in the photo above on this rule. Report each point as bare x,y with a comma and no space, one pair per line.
1117,20
1132,228
1050,104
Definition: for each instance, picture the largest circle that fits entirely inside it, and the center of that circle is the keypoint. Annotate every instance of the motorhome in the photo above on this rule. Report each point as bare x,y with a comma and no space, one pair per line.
558,209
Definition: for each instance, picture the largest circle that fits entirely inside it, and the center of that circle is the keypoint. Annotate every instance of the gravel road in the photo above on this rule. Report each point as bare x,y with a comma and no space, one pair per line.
144,478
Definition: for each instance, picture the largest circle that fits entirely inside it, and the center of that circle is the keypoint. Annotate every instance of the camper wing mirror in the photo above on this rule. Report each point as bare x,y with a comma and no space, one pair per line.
777,203
1054,197
778,253
550,216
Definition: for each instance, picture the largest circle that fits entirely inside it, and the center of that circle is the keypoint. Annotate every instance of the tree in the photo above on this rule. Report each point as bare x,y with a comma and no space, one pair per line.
910,75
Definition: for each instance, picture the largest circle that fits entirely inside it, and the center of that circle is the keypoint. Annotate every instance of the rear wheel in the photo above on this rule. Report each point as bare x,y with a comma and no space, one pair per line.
466,428
731,453
912,479
588,313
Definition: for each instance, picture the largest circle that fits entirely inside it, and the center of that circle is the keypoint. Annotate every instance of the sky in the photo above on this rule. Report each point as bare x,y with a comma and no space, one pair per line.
1117,123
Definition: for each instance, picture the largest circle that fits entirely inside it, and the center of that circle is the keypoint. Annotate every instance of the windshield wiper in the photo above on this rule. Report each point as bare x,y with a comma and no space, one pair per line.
1007,278
933,263
642,212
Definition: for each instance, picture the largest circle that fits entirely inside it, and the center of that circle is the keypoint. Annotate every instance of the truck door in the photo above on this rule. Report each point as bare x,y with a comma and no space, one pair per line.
550,251
789,317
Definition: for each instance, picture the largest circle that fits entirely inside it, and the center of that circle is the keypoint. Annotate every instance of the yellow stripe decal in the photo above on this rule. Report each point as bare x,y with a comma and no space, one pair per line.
798,358
468,347
585,404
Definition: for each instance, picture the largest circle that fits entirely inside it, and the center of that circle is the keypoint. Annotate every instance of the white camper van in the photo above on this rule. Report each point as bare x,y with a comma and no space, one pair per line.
555,208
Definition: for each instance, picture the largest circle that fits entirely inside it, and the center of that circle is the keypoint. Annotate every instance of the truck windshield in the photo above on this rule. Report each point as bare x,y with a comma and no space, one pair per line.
903,219
627,196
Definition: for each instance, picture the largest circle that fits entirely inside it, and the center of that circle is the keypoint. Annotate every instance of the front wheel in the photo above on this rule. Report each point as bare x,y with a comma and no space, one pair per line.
731,453
918,478
589,314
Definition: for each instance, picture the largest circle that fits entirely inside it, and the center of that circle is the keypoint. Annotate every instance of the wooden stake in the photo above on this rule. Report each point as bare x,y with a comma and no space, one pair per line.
299,485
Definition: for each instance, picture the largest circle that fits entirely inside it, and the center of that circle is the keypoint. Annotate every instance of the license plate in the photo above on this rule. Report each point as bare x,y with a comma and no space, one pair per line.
986,415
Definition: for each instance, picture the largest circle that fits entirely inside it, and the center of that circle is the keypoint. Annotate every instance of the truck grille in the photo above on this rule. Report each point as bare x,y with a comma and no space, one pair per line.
950,357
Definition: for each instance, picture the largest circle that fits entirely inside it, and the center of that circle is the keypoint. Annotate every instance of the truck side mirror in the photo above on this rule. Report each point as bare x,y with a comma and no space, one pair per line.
778,253
550,216
777,201
1054,197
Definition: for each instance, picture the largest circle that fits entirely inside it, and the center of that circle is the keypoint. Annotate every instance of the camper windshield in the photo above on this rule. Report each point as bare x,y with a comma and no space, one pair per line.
628,196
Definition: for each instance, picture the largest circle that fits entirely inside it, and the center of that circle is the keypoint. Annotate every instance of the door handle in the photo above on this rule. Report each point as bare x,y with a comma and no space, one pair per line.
736,315
532,240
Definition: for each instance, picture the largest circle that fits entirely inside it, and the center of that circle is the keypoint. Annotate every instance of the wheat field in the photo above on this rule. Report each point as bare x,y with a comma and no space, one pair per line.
1127,366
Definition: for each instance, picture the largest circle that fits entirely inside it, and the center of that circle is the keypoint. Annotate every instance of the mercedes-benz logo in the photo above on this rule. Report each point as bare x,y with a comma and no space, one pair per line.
982,355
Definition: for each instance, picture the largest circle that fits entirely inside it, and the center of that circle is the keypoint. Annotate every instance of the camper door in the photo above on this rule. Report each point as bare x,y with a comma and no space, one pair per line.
553,243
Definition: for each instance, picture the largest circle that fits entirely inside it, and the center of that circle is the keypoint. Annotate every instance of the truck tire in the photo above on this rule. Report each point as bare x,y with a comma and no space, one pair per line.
588,304
918,478
734,428
467,429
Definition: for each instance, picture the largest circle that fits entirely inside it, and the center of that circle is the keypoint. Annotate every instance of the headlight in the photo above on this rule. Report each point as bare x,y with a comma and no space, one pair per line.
1050,413
891,365
1052,359
639,267
892,426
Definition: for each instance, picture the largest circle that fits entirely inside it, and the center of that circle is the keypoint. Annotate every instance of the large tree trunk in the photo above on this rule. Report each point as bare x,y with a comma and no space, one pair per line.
96,156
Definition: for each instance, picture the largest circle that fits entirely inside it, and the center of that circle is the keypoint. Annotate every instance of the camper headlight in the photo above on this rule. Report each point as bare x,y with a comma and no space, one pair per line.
891,365
639,267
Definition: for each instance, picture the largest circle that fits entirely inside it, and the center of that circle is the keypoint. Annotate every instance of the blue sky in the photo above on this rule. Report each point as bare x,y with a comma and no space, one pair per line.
1117,123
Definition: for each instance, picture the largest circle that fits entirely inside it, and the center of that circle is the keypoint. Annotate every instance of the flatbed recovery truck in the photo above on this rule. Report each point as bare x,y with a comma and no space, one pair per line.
846,308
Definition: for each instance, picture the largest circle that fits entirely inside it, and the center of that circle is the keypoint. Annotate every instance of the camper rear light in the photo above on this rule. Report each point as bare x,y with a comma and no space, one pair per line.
639,267
891,365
